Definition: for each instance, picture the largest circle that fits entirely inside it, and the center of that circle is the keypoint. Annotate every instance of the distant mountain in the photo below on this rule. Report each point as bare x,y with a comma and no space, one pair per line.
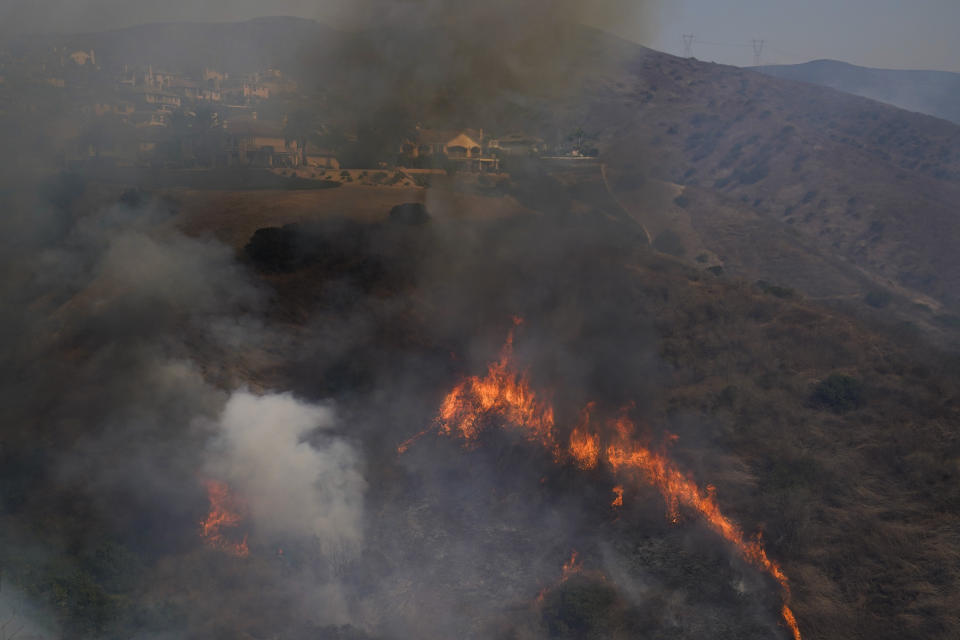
936,93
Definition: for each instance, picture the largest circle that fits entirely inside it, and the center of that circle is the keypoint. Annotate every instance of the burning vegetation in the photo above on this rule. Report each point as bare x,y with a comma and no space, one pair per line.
223,523
504,397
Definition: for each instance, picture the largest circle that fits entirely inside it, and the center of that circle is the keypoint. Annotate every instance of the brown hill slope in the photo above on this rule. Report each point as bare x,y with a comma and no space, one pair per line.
869,183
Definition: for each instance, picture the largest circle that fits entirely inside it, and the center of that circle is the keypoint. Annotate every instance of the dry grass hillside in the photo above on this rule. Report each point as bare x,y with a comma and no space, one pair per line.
865,182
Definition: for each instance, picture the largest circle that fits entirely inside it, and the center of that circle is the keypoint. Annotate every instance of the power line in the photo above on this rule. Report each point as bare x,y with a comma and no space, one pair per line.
722,44
757,52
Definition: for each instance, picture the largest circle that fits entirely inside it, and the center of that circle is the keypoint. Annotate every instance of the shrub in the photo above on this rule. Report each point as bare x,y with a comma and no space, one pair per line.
839,393
669,242
878,298
776,290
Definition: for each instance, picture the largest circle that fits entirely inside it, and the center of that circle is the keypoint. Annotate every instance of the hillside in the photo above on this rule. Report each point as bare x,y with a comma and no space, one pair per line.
842,177
288,44
851,178
693,387
935,93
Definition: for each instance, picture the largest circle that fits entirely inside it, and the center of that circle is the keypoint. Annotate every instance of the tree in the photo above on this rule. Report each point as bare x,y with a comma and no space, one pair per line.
301,127
578,135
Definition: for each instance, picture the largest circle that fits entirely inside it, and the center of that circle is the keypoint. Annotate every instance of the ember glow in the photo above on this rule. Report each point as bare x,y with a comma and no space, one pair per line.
503,396
226,514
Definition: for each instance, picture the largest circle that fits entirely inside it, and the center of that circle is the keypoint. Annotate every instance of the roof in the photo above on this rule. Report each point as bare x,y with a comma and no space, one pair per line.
440,136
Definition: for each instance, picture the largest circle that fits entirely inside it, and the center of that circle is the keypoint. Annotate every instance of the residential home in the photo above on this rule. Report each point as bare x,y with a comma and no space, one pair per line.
214,79
465,146
161,99
210,95
150,118
121,108
260,144
185,88
255,91
83,58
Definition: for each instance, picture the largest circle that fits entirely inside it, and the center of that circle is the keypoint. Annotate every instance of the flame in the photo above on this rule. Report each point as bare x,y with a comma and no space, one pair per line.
585,446
571,567
501,392
226,514
617,497
678,489
506,395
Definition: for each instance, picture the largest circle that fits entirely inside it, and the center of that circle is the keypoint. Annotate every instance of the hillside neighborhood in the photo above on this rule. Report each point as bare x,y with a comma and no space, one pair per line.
134,116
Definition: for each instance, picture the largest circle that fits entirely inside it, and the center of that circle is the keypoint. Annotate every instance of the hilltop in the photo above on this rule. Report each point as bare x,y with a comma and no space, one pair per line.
935,93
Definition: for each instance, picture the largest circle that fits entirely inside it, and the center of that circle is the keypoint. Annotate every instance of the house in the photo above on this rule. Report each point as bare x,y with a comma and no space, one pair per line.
83,58
150,118
464,146
214,79
461,144
121,108
255,91
185,88
257,143
161,99
210,95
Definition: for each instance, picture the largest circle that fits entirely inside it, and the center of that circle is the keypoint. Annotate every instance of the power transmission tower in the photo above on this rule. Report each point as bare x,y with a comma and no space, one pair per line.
687,45
757,51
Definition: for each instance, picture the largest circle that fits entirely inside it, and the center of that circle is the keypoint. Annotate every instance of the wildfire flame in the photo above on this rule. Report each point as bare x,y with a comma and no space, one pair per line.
226,514
617,497
503,393
506,395
585,446
570,567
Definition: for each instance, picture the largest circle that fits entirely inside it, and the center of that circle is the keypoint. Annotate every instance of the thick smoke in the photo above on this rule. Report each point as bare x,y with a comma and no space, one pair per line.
297,479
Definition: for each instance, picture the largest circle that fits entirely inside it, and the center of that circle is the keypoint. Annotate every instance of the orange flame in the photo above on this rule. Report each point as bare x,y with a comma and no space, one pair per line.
585,446
677,489
617,497
226,514
502,392
506,395
571,567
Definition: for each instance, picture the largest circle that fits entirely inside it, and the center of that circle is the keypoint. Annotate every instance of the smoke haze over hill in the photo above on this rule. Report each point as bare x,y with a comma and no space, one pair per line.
669,358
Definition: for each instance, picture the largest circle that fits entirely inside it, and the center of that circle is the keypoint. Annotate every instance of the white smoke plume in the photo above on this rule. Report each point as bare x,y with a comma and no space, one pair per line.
297,479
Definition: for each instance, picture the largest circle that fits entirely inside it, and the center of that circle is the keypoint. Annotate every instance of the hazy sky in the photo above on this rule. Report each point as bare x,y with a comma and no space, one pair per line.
903,34
881,33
